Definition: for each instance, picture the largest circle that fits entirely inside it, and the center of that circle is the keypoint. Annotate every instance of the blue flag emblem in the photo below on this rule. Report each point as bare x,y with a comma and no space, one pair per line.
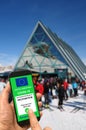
21,82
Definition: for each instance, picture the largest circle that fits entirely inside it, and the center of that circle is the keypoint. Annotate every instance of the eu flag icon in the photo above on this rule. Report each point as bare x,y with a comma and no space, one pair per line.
21,82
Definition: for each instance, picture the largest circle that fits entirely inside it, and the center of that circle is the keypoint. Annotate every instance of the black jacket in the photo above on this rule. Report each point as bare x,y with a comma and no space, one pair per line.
61,92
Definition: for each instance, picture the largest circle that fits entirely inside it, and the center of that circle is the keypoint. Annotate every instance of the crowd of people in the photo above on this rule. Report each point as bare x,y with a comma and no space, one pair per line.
54,87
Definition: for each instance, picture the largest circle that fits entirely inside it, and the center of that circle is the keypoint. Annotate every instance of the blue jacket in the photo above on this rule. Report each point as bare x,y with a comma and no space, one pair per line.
75,85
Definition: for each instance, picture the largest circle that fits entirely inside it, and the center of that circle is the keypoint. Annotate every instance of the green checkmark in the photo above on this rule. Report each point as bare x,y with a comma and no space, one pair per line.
26,110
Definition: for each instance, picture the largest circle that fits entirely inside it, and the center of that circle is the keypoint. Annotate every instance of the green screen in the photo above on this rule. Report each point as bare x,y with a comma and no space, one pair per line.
24,96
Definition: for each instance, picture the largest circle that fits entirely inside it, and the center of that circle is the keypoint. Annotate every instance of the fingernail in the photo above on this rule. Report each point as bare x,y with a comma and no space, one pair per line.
30,111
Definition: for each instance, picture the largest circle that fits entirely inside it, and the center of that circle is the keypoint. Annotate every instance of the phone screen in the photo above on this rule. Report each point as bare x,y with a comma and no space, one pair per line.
24,96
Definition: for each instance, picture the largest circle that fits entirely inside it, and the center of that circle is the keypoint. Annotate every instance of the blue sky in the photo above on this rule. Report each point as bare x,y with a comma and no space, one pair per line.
67,18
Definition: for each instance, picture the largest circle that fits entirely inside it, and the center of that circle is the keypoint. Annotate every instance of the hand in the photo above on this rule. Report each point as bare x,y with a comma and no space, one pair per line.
34,122
7,113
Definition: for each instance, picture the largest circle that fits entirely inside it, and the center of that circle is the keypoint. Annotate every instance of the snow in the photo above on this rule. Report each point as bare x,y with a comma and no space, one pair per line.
72,118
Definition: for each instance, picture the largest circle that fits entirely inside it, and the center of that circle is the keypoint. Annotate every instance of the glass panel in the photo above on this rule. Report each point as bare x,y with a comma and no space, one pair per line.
42,45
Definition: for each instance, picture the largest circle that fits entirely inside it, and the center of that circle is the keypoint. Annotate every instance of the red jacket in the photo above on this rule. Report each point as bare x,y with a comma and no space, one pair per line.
39,88
65,85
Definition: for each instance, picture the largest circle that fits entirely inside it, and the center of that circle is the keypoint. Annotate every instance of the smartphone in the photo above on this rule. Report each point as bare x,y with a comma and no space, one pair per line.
24,96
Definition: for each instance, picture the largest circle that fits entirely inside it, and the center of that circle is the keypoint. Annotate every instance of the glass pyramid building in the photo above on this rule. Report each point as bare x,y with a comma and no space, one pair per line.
46,52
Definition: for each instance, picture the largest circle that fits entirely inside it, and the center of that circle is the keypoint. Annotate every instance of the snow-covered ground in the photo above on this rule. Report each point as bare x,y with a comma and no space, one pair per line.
72,118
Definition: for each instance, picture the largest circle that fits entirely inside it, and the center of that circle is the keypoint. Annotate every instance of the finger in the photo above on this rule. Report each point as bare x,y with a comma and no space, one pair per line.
47,128
40,104
12,105
5,93
33,121
38,96
41,113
